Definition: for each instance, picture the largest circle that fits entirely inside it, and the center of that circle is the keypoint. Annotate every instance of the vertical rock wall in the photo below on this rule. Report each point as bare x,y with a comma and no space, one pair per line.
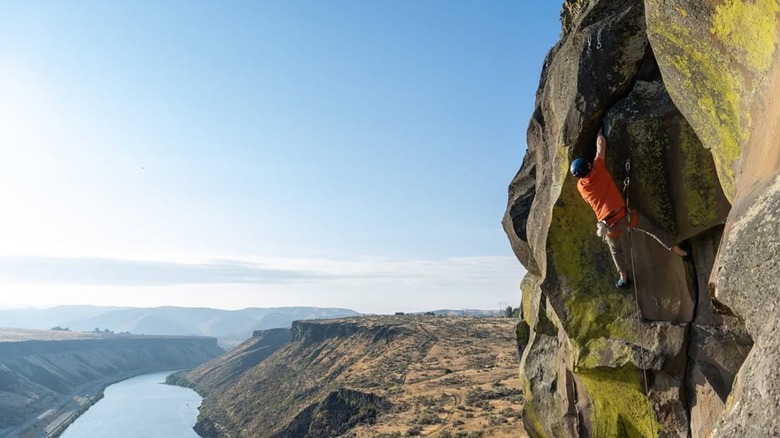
686,91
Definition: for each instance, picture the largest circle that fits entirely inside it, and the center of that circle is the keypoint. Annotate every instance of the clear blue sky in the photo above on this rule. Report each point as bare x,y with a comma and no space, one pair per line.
264,153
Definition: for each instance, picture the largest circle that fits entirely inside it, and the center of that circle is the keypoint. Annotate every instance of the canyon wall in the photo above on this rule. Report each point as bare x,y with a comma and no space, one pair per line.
40,369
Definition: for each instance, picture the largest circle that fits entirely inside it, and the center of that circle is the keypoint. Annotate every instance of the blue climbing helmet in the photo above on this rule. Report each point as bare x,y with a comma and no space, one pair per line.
579,167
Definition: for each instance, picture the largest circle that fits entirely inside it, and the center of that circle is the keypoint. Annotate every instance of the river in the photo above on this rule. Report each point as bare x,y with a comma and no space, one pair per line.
140,407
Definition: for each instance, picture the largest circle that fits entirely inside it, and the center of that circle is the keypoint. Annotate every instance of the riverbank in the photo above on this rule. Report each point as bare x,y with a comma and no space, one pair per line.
53,422
56,428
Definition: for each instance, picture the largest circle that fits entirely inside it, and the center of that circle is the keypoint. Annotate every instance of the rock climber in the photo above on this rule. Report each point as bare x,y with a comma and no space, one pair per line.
596,186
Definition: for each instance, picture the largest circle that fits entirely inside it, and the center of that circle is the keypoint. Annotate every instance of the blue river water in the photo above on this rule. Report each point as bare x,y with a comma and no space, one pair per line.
141,407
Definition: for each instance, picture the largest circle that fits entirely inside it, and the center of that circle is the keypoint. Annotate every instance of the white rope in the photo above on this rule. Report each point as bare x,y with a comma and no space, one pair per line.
626,182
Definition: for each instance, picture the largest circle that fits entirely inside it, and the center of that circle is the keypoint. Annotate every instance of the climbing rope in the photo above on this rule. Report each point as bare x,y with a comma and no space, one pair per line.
626,182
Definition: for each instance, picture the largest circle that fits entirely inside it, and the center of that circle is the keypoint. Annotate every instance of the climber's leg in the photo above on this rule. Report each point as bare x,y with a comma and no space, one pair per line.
618,256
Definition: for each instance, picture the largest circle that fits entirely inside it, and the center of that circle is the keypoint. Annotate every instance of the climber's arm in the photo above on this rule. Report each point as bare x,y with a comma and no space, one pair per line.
601,145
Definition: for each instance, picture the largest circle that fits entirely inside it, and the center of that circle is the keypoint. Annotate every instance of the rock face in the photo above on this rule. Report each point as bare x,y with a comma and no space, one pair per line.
687,93
341,410
40,368
219,373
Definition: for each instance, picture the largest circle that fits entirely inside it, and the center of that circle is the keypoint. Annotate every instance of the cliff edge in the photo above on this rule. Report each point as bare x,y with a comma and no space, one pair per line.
686,92
369,377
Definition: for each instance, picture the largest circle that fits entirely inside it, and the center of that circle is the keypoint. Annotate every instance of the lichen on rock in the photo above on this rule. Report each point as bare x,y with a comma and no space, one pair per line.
620,407
714,57
677,85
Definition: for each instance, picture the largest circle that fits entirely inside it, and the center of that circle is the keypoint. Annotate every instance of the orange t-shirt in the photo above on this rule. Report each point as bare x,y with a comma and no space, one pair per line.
600,191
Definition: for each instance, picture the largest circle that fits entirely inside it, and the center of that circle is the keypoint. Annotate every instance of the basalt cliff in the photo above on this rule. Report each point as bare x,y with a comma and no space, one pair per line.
377,376
687,94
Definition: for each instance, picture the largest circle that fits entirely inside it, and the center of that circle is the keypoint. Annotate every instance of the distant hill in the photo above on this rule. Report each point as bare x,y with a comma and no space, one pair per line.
44,319
230,327
375,376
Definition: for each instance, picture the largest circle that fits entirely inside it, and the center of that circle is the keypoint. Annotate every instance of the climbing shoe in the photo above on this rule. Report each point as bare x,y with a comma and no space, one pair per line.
622,284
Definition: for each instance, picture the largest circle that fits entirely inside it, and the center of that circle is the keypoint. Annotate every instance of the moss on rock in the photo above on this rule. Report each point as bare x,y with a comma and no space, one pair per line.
714,84
619,407
573,244
600,352
650,140
522,335
673,177
698,180
748,30
597,316
717,98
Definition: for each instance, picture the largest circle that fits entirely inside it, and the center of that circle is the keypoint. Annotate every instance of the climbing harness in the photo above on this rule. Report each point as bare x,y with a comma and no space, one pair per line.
626,182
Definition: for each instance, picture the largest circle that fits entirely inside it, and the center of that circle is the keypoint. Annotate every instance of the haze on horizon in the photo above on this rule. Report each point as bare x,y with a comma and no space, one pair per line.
262,154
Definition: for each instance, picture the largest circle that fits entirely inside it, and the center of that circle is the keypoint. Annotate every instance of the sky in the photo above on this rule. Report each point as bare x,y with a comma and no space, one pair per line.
340,153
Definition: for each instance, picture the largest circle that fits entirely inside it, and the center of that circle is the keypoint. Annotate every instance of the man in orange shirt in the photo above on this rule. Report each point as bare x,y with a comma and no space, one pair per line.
596,186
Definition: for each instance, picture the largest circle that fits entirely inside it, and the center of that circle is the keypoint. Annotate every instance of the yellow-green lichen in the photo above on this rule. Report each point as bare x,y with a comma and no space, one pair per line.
602,314
533,423
619,407
748,29
522,335
650,141
531,419
572,240
718,88
698,179
713,80
546,322
600,352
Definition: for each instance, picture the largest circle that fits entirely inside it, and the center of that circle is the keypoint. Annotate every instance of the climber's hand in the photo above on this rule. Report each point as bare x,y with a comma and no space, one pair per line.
601,144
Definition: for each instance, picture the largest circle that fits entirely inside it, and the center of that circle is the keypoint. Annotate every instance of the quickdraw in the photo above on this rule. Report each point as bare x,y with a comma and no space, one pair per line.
627,181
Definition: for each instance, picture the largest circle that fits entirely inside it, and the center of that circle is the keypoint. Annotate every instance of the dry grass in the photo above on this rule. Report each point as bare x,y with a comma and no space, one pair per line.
23,335
441,376
462,381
